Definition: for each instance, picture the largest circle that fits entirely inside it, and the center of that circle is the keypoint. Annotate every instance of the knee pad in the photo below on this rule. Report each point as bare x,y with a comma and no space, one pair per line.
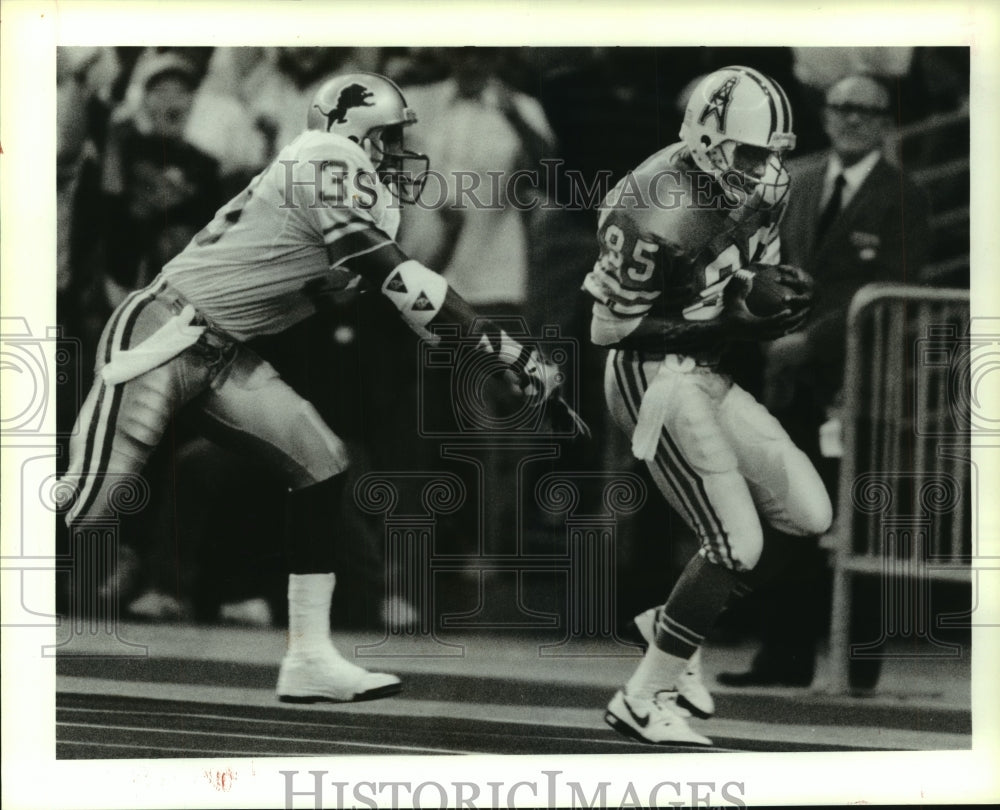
145,412
747,552
806,510
821,518
813,512
738,550
317,448
140,430
256,402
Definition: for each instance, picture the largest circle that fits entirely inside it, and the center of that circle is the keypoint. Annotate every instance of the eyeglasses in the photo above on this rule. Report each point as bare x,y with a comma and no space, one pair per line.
859,109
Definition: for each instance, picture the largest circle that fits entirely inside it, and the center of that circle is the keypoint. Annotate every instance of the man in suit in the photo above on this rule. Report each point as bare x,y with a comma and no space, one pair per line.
853,218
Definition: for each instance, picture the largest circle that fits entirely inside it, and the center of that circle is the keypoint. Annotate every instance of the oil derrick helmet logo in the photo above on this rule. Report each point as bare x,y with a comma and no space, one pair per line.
354,95
718,104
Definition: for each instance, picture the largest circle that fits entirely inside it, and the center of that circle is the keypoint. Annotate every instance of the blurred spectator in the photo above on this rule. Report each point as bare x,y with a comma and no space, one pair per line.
252,102
409,67
475,128
277,92
222,123
78,167
159,189
816,70
853,219
941,78
924,80
821,68
474,123
78,259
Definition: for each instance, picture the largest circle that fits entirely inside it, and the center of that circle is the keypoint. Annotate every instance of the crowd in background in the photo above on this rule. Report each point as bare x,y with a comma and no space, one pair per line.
153,140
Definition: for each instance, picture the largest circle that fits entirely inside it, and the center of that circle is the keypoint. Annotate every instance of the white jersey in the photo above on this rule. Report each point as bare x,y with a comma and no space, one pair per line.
261,265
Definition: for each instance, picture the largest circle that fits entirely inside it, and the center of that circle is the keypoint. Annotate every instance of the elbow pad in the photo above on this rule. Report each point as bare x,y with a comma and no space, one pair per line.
417,292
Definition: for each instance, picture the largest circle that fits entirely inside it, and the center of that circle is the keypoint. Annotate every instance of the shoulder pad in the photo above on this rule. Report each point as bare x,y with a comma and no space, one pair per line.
668,202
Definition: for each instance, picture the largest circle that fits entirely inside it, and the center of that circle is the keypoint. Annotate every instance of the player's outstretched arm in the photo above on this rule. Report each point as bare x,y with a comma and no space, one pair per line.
424,300
534,376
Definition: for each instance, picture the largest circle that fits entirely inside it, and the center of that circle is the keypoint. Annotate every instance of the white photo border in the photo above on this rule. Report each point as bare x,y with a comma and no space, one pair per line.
31,31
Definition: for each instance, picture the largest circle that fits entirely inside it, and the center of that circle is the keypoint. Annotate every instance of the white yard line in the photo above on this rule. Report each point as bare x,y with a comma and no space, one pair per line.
545,716
175,749
216,735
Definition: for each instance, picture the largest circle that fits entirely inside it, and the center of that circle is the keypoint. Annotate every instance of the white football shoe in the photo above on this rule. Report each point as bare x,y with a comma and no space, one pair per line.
328,676
654,721
692,694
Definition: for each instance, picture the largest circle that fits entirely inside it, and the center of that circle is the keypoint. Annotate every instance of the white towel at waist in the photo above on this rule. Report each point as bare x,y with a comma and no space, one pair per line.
164,344
656,404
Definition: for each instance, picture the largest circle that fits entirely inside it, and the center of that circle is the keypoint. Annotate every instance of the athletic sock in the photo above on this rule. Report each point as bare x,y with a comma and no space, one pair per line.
309,598
692,608
657,672
310,515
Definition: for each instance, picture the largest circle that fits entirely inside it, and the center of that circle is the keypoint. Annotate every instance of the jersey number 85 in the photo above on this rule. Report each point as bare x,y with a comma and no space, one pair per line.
617,245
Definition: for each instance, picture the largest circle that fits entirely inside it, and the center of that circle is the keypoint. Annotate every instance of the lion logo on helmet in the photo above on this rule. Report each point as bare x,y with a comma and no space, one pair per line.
354,95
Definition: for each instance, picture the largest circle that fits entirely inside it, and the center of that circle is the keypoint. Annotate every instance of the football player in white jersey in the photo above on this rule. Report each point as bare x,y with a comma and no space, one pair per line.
681,238
322,216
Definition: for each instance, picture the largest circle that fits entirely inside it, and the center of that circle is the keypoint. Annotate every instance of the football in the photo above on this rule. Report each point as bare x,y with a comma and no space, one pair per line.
768,294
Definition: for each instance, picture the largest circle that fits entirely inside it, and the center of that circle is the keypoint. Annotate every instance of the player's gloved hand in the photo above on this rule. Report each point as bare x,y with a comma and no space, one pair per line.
795,278
538,379
541,382
744,325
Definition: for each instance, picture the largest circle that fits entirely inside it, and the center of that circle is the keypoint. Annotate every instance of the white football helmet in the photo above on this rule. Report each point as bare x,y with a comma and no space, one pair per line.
371,110
738,125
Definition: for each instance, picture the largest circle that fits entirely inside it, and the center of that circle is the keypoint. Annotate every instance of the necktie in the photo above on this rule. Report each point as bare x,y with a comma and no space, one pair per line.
832,207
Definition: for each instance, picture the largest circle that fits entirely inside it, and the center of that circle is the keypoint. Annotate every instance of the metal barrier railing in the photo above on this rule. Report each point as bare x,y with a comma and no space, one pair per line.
903,501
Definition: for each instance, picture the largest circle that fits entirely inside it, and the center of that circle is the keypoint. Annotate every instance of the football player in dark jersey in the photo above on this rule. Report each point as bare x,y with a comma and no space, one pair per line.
681,238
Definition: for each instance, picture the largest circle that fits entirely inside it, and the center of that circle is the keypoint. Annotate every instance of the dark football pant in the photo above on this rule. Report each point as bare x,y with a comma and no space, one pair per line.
120,425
